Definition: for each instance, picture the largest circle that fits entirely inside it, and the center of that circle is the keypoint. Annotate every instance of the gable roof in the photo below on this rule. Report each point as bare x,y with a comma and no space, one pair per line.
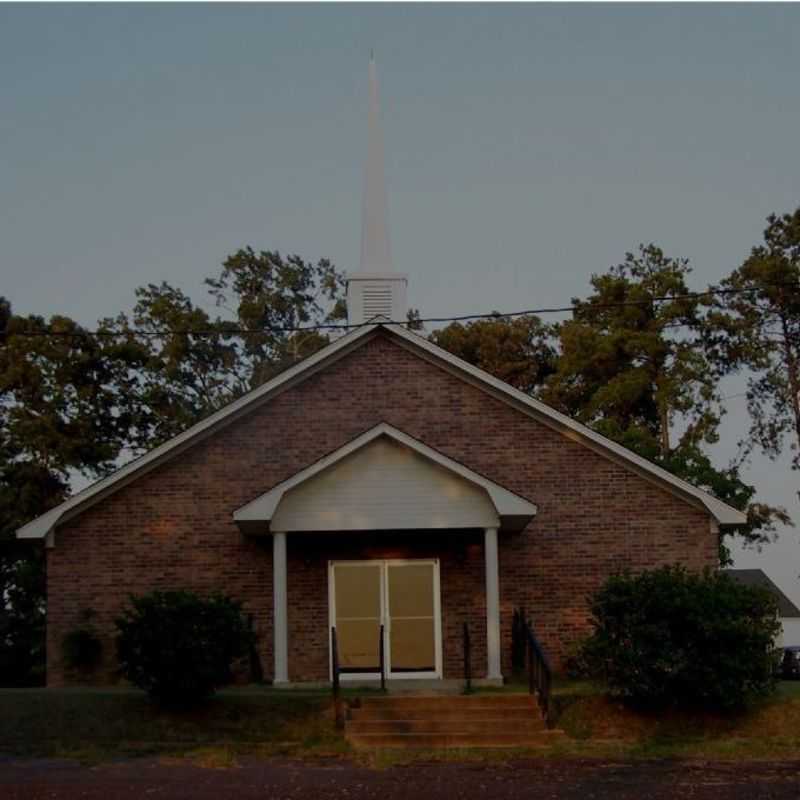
757,577
43,526
514,511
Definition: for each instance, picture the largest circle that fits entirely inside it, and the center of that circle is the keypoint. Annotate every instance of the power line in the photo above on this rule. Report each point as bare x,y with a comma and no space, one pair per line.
227,331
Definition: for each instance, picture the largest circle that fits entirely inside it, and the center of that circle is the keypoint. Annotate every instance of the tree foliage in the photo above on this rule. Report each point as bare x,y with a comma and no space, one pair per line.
757,327
632,365
635,364
518,350
193,362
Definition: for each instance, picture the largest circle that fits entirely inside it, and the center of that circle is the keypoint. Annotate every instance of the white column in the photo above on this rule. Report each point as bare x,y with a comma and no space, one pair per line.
280,624
492,603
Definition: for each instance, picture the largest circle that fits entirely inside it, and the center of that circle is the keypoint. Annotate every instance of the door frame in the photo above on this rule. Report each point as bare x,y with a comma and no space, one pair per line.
385,563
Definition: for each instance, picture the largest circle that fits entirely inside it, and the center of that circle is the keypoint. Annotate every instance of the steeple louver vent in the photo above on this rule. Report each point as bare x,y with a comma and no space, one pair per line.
371,295
377,299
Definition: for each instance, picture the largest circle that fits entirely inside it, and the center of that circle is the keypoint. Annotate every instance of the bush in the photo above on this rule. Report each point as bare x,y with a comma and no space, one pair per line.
81,648
671,637
180,647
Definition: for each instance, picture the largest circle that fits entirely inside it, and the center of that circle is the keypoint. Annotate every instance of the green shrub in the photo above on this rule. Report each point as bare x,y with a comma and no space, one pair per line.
671,637
81,648
180,647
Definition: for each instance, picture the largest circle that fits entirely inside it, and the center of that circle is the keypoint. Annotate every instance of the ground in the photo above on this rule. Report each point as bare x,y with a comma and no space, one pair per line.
279,779
256,742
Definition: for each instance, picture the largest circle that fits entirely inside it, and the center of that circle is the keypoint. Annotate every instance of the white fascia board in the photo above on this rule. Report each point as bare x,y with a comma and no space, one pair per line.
40,527
722,512
507,504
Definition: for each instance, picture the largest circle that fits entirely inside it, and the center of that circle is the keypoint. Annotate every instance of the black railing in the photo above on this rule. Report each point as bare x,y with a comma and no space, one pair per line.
336,672
540,676
467,660
382,657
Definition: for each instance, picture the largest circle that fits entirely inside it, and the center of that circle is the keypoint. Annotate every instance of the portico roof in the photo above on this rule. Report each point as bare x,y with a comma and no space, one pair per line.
407,486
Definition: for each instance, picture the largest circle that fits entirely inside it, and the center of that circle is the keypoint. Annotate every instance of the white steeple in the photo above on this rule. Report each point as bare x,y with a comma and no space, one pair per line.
375,290
375,253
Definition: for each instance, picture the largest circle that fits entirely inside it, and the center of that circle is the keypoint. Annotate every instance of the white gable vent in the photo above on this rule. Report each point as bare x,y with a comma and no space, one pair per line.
371,295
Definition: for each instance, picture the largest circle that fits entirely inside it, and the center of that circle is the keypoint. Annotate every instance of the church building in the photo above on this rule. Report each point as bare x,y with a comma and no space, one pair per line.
381,490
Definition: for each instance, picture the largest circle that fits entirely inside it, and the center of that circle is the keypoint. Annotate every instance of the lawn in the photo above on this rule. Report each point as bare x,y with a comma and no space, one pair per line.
96,725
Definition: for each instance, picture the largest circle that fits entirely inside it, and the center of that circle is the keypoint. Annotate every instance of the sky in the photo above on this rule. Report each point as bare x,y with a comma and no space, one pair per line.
527,147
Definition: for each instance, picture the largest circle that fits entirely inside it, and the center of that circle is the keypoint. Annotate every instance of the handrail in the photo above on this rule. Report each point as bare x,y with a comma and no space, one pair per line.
467,660
382,655
336,670
540,675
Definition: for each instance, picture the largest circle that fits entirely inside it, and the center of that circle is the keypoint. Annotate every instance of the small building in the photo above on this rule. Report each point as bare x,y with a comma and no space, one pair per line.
789,613
379,487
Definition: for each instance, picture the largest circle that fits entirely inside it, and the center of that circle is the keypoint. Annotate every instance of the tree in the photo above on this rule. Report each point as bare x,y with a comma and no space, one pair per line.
632,365
518,350
757,327
64,409
195,363
635,366
267,294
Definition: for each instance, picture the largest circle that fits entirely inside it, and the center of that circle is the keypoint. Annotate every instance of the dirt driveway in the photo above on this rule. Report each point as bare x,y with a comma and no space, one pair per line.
286,780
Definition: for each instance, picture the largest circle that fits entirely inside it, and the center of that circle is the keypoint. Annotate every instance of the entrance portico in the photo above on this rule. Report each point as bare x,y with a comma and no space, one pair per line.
383,485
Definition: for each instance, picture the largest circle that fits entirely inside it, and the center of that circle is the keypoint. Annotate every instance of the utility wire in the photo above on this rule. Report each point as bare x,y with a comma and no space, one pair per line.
225,330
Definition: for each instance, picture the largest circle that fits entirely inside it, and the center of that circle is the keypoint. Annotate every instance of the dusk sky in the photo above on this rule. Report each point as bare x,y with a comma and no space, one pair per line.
526,146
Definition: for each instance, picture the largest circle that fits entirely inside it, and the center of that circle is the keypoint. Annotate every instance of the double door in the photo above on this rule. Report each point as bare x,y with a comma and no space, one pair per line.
403,597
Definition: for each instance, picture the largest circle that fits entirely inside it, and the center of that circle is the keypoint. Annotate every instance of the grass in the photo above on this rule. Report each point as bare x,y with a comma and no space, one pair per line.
94,725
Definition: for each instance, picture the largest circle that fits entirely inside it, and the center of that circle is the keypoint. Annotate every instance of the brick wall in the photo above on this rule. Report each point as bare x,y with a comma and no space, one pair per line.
173,526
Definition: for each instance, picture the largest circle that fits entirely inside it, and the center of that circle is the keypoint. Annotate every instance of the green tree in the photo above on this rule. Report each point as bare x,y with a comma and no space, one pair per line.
196,362
632,366
518,350
756,326
636,366
64,410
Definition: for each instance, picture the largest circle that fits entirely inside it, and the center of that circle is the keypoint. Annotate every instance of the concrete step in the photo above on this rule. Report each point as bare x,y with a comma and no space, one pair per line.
465,713
438,702
428,741
454,725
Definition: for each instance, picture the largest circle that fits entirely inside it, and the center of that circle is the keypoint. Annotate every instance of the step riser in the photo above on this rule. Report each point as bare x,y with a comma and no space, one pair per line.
455,701
448,741
508,714
430,726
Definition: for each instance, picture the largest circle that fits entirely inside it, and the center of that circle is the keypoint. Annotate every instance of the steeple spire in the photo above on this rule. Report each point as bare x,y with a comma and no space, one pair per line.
376,290
375,252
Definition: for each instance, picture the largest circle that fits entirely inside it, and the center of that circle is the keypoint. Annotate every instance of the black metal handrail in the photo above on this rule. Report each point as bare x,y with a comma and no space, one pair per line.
338,709
540,676
382,656
467,660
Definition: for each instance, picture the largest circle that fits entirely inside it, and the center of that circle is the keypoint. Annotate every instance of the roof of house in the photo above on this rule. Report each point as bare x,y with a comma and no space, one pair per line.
757,577
44,525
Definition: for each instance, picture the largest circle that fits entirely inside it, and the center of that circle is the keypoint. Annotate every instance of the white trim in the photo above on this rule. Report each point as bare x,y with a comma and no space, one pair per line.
493,669
41,526
280,616
385,618
514,511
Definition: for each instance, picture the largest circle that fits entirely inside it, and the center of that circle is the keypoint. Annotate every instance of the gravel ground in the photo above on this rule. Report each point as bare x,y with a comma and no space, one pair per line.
285,780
